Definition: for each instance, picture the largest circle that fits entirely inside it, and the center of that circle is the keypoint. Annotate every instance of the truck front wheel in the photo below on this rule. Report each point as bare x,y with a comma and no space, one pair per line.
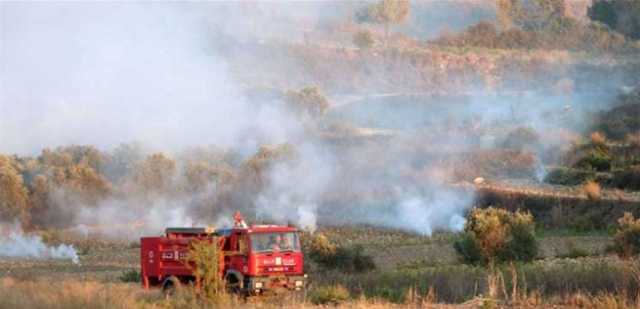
170,286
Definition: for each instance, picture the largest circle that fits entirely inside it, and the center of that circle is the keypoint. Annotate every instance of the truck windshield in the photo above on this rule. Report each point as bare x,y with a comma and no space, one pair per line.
280,241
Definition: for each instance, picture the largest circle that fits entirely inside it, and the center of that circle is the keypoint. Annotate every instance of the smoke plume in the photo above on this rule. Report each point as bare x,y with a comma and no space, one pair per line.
15,243
175,77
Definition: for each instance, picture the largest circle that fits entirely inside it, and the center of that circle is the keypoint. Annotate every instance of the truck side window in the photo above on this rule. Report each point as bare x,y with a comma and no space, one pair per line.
227,245
242,243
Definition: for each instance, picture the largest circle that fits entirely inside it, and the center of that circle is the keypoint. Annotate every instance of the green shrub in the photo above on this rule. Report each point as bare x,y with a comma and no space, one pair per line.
595,159
575,252
496,235
467,249
626,241
621,120
569,176
628,178
354,259
348,259
621,15
334,295
203,259
131,275
522,244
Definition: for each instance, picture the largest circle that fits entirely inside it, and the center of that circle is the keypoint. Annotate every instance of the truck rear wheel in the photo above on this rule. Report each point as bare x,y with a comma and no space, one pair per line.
233,284
170,286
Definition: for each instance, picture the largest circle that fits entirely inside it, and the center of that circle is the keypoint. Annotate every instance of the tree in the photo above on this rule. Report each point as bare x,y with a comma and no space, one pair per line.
206,261
496,235
155,174
363,39
123,160
386,13
626,241
503,12
309,101
86,184
604,12
40,191
529,14
199,175
13,194
622,16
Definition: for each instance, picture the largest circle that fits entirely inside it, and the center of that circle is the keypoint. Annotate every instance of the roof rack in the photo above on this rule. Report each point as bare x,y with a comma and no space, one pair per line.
189,230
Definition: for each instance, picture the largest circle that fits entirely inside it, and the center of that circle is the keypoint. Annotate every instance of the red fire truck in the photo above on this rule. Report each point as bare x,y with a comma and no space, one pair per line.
254,258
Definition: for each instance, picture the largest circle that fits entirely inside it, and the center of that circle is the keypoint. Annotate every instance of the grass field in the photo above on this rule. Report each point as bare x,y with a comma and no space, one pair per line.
410,270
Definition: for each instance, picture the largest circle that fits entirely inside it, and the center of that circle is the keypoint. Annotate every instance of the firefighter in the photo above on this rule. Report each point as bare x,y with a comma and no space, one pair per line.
274,242
285,244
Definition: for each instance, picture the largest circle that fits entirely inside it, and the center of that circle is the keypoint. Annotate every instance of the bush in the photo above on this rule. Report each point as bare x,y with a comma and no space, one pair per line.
203,258
622,120
621,15
467,249
569,176
575,252
496,235
598,139
482,34
131,275
521,139
364,39
627,179
592,190
334,295
13,194
309,101
556,33
595,159
626,241
348,259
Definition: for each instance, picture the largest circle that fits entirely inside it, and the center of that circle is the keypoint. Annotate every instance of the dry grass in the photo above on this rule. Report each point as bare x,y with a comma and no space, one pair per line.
66,294
592,190
90,294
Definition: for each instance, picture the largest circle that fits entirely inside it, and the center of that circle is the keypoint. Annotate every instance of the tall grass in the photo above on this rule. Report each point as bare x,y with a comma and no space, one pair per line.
52,294
70,294
460,283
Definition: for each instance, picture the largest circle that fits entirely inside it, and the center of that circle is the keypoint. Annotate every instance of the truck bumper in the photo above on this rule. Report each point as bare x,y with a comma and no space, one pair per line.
259,284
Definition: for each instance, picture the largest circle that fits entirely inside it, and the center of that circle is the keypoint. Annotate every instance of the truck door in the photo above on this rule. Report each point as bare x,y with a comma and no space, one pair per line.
237,255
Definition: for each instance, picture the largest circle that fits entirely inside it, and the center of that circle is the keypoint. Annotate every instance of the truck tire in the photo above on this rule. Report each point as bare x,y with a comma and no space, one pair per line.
233,283
170,286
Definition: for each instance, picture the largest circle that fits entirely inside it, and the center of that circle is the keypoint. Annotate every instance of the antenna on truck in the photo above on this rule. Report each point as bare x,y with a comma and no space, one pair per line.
239,221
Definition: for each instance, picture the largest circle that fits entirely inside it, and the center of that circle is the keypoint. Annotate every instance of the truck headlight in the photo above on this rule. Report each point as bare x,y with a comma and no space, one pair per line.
258,285
298,283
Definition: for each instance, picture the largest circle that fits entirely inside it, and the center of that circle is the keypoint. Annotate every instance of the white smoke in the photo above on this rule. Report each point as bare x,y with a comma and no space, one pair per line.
132,217
443,211
16,243
295,188
108,73
105,73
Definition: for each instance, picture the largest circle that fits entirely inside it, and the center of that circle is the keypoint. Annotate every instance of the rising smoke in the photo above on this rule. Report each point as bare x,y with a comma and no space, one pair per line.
15,243
167,75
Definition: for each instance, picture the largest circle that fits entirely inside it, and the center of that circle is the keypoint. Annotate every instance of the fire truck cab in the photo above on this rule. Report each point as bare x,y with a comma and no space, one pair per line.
253,258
